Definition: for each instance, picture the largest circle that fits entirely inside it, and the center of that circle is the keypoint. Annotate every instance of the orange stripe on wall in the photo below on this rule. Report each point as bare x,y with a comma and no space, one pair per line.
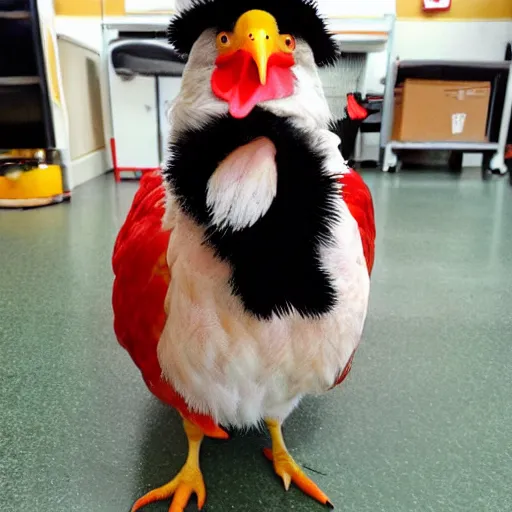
116,8
78,7
89,7
461,9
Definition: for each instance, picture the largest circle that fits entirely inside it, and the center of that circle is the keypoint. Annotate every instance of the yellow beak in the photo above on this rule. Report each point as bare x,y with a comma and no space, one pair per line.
257,33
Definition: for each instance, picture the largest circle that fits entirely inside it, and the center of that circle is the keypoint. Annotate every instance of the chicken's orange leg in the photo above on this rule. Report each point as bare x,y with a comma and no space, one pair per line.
287,468
188,481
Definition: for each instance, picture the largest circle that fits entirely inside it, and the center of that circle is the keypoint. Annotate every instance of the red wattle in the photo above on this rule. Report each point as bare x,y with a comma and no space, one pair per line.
236,80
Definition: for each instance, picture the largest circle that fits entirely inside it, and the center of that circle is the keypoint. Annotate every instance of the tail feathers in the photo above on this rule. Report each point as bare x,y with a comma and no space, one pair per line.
148,203
355,111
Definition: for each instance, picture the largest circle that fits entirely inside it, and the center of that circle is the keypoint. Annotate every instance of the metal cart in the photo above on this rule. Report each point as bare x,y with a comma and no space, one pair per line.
500,75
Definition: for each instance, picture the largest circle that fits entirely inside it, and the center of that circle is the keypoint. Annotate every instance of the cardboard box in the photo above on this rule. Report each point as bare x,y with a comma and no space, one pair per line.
437,110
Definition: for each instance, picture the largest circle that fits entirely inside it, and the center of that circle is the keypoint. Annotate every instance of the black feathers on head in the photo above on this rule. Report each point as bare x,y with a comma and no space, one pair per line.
299,18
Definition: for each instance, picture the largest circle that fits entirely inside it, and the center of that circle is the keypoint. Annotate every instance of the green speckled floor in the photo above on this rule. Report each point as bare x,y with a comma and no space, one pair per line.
424,423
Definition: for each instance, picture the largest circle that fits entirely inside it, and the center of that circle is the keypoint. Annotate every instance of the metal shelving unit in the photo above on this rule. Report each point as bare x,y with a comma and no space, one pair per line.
19,80
31,163
15,15
450,70
23,80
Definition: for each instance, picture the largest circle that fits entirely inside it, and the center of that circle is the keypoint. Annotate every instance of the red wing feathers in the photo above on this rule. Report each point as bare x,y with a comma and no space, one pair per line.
141,281
358,198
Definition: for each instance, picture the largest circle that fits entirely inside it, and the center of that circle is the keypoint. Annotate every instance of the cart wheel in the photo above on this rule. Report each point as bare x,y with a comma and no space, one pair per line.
486,174
455,161
498,165
395,168
486,162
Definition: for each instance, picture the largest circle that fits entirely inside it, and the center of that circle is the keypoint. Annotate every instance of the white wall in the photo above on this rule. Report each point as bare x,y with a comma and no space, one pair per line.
464,40
85,30
80,72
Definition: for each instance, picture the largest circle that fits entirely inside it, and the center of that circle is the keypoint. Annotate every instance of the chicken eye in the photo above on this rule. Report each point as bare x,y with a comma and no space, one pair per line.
289,42
223,39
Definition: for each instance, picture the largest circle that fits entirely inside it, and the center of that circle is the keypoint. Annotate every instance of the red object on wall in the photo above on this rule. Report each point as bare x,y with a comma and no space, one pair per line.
436,5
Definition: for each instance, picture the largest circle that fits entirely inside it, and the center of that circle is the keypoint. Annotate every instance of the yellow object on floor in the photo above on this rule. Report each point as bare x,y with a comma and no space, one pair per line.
39,186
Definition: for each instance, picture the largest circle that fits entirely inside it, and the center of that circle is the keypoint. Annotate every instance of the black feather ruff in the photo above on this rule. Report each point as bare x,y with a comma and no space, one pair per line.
299,18
275,263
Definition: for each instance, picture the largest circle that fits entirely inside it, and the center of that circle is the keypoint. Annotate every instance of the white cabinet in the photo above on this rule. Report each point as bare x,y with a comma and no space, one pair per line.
135,121
144,79
168,89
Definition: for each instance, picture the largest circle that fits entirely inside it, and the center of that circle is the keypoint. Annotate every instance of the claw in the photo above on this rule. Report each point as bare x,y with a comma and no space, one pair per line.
188,482
289,470
287,480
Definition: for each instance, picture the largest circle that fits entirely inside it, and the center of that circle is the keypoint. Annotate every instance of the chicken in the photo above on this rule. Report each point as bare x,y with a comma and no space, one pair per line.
242,272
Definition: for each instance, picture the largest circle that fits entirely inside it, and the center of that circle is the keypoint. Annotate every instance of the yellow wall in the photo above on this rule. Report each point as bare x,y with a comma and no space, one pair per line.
78,7
114,7
88,7
461,9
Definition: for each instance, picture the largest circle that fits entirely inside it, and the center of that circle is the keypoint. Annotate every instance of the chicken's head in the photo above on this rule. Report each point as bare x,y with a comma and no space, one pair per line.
244,53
